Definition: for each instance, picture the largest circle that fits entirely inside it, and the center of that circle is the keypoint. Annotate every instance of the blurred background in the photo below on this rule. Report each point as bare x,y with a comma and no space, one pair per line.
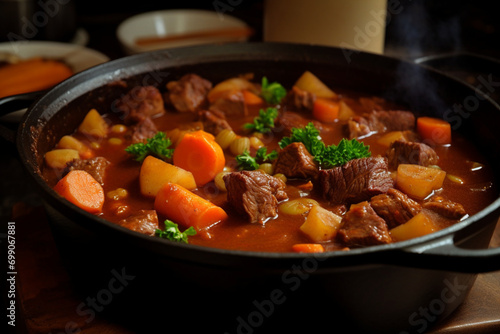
422,27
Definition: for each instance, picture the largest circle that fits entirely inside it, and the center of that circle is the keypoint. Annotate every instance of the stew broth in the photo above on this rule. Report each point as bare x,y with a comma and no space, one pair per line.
468,182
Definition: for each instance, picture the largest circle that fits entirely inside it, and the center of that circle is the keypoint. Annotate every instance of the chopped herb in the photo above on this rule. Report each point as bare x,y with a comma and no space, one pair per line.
327,156
264,122
345,151
157,146
173,233
307,135
247,162
272,93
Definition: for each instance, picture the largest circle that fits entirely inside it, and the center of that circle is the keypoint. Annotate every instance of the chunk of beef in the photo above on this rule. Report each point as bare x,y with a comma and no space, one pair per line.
405,152
380,121
255,194
213,121
358,180
140,103
230,103
294,161
288,120
299,99
395,207
94,166
143,221
143,130
445,207
361,226
189,93
357,127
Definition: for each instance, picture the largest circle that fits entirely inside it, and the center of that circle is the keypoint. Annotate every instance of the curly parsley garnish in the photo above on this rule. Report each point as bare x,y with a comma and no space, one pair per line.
157,146
247,162
345,151
272,93
327,156
264,122
173,233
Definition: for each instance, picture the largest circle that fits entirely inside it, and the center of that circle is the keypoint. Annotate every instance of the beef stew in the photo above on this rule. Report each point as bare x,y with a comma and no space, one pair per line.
260,192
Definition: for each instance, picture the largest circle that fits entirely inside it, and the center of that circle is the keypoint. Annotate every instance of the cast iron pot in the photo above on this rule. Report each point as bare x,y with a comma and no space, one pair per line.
149,283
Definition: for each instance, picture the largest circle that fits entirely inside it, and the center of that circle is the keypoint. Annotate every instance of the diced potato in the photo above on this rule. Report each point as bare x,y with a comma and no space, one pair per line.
94,125
419,181
59,157
155,173
421,224
297,206
72,143
321,224
310,83
233,84
390,137
345,111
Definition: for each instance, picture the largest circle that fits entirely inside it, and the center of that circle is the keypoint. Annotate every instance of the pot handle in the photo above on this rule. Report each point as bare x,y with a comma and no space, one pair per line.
446,255
10,104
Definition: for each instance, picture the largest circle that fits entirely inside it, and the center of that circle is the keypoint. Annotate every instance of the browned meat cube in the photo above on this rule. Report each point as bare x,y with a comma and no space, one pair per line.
143,130
188,93
143,221
405,152
294,161
230,103
298,99
288,120
361,226
255,194
213,121
395,207
139,103
94,166
380,121
358,180
445,207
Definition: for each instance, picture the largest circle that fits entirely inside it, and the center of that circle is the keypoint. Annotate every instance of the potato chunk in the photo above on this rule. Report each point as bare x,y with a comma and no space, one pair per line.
94,125
155,173
311,83
58,158
419,181
321,224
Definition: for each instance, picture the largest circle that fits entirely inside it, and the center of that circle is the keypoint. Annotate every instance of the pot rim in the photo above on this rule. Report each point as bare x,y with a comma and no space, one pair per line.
118,69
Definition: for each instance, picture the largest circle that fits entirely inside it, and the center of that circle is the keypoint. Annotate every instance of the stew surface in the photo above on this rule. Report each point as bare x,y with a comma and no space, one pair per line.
412,177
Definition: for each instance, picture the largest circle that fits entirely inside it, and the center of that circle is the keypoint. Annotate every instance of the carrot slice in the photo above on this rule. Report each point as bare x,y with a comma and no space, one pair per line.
325,110
81,189
186,208
252,99
199,153
31,75
308,248
435,130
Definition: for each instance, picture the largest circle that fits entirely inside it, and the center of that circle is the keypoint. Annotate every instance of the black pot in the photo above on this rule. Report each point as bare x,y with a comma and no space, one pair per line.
402,287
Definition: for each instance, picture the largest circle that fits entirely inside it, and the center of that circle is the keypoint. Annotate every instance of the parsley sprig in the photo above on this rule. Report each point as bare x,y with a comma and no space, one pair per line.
327,156
157,146
273,92
247,162
264,122
173,233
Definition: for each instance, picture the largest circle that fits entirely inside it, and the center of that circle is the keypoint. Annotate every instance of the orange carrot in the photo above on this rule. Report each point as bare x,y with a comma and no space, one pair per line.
81,189
31,75
252,99
186,208
199,153
308,248
434,129
325,110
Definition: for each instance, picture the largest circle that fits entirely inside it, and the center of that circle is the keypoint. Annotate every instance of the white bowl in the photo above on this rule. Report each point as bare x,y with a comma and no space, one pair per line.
174,22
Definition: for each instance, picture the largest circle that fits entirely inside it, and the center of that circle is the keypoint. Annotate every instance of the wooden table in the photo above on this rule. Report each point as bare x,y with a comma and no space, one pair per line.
48,303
